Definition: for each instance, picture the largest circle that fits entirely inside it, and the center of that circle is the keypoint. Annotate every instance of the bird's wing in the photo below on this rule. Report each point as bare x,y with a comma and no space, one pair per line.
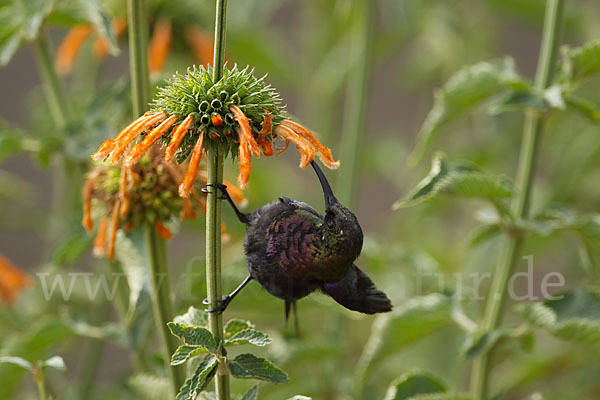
357,292
292,237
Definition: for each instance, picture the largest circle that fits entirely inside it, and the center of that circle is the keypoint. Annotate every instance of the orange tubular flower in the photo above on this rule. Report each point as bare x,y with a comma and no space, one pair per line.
146,193
70,46
12,280
190,176
159,45
192,114
201,44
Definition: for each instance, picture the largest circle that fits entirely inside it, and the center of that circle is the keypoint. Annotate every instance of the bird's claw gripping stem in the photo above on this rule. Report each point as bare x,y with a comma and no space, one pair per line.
223,303
223,188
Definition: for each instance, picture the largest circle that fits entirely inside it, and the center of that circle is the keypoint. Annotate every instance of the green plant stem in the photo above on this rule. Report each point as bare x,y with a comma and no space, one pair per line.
532,130
57,102
161,302
39,381
213,214
355,113
138,48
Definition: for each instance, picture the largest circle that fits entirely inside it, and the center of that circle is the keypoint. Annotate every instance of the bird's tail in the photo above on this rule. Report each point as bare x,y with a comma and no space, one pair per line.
357,292
291,305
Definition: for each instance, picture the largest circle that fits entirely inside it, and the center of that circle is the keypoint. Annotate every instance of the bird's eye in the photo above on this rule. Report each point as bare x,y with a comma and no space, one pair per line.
330,223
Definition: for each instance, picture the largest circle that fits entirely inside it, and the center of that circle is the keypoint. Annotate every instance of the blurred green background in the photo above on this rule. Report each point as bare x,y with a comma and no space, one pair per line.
312,53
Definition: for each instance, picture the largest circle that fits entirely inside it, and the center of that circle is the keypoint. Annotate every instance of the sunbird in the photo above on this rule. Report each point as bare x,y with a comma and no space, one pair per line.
292,251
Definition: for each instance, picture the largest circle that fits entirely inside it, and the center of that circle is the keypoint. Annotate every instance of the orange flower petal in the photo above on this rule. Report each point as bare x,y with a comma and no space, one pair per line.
126,172
323,152
162,230
159,45
267,127
100,240
101,44
285,146
12,280
307,152
177,136
201,44
114,226
88,189
188,210
70,46
104,150
190,176
245,130
123,140
236,194
244,162
149,140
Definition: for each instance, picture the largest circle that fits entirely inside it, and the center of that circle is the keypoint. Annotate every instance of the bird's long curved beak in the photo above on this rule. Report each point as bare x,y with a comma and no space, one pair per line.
330,199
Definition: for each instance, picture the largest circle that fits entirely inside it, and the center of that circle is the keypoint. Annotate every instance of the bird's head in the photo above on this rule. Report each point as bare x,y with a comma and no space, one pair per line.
340,222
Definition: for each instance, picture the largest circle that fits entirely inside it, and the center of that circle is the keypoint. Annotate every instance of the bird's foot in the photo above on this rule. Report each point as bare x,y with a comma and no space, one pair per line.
220,186
223,302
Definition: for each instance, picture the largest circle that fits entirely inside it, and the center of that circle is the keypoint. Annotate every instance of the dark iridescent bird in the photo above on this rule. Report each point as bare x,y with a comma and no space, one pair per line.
292,251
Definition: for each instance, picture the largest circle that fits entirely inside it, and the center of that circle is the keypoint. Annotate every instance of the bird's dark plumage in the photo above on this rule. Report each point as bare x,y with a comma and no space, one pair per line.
292,251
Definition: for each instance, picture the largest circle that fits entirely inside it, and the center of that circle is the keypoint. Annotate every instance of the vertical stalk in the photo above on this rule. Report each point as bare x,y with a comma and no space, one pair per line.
155,245
54,91
138,55
161,302
39,381
213,213
355,112
532,130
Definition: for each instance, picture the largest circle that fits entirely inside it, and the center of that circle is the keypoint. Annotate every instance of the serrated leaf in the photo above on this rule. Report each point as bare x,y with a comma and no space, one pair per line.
55,362
248,366
413,383
580,62
584,107
151,387
193,317
185,352
234,326
194,336
200,380
575,317
18,361
466,89
252,393
458,179
248,336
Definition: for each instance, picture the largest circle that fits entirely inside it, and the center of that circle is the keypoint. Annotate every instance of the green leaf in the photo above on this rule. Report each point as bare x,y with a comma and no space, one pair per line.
248,336
575,317
193,317
440,396
185,352
10,142
248,366
200,380
151,387
407,323
413,383
72,249
18,361
20,21
55,362
458,179
580,62
584,107
234,326
462,92
481,342
484,233
128,254
195,336
252,393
